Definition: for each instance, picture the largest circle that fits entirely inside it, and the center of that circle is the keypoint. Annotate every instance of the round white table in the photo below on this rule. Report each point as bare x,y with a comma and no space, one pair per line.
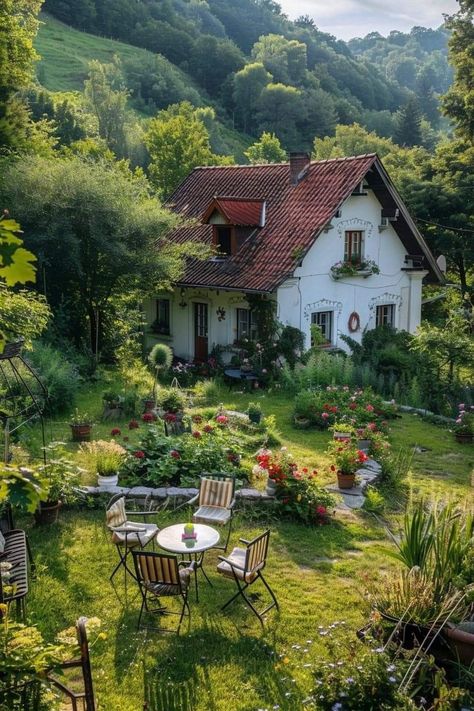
171,540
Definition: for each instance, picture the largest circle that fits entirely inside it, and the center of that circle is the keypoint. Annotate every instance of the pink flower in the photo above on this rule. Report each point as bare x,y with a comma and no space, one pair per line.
321,510
462,406
370,408
197,435
324,415
133,425
115,431
222,419
372,426
139,454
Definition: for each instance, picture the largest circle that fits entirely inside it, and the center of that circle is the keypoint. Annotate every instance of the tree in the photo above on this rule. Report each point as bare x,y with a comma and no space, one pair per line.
449,347
408,130
178,141
97,231
18,27
458,102
266,150
351,141
284,59
106,96
249,83
280,107
212,60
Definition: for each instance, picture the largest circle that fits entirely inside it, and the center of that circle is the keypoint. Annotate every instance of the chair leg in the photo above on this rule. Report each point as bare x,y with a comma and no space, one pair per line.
270,591
228,534
241,591
185,605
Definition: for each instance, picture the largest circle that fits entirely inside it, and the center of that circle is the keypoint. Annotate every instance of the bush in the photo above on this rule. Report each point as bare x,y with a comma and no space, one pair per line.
172,400
59,376
207,392
323,407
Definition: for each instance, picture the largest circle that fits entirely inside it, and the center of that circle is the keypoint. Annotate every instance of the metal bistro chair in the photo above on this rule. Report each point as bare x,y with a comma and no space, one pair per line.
216,499
245,566
126,534
160,575
75,695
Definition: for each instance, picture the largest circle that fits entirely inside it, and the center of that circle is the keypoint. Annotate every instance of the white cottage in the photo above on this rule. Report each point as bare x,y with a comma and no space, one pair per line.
330,242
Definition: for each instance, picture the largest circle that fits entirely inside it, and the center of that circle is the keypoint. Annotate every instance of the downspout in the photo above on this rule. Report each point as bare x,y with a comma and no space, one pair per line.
301,302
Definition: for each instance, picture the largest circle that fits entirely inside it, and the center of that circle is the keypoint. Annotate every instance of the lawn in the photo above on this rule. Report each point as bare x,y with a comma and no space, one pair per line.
226,661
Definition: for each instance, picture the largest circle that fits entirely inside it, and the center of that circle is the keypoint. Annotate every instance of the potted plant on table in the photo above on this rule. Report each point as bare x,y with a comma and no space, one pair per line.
464,427
81,426
347,460
62,478
254,411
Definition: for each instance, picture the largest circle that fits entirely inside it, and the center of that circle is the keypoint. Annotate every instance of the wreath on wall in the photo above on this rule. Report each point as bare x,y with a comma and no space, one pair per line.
354,322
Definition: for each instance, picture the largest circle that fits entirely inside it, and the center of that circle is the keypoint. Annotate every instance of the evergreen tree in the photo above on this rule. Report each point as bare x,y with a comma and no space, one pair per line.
408,130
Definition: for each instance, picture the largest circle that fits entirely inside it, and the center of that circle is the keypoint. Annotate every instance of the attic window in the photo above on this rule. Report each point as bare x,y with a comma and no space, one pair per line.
223,239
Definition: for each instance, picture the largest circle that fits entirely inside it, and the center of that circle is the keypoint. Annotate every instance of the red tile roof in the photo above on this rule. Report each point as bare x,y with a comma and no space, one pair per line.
295,215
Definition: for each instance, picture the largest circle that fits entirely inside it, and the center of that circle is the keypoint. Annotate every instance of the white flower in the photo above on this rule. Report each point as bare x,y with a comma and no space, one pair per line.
337,706
392,680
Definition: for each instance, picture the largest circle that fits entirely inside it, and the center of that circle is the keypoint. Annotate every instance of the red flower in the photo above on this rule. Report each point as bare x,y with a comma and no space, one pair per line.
139,454
148,417
197,419
333,468
321,510
115,431
197,434
133,425
208,428
333,408
352,406
370,408
170,417
175,454
305,470
285,500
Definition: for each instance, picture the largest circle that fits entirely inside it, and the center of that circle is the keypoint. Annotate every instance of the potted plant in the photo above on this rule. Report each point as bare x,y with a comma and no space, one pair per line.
464,427
81,426
62,477
254,411
149,403
104,459
347,460
173,402
342,432
364,438
113,405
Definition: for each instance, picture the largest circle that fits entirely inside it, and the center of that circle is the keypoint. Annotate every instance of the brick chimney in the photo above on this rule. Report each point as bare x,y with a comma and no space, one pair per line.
299,166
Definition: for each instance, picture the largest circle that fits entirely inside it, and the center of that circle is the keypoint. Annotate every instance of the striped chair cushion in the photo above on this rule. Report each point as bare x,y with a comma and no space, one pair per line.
116,515
140,538
170,588
237,556
215,492
211,514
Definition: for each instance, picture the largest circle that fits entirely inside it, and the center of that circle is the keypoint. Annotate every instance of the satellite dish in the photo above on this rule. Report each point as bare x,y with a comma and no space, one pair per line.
441,262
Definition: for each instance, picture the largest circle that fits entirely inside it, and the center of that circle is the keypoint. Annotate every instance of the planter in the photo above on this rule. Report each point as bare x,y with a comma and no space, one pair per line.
255,417
463,643
302,423
363,444
345,481
47,513
107,482
342,436
81,433
271,487
464,437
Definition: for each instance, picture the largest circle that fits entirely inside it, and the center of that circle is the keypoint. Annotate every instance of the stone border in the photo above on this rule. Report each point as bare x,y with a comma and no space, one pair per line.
172,492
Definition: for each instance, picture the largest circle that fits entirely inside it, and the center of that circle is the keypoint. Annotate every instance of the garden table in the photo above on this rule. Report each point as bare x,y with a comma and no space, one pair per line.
170,539
237,375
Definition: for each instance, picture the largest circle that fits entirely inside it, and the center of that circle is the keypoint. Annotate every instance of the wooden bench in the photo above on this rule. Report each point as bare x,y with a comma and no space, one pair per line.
16,552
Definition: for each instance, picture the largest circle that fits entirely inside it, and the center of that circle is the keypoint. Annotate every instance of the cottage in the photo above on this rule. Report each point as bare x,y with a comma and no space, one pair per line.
329,243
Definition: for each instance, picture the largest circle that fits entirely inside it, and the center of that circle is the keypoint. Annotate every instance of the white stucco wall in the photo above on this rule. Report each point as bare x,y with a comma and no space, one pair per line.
313,289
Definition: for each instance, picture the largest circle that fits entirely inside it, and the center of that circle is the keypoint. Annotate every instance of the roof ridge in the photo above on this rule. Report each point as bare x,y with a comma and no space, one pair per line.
340,159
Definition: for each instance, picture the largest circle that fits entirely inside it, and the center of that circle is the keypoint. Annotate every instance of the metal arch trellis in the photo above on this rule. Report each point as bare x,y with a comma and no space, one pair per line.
13,411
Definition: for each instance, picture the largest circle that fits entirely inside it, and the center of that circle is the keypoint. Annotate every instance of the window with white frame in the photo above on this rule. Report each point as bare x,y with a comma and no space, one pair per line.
353,245
324,319
246,325
385,315
162,323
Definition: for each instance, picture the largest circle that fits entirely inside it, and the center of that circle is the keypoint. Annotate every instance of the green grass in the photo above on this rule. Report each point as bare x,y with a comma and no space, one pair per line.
65,54
225,660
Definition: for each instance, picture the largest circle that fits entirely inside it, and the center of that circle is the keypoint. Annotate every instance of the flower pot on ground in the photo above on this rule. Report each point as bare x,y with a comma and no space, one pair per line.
254,411
173,401
62,478
363,444
81,426
105,459
345,481
148,404
461,638
301,422
347,460
464,437
464,427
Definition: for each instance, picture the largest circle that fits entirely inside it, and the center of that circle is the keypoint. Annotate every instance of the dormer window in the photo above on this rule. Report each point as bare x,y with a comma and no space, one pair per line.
223,239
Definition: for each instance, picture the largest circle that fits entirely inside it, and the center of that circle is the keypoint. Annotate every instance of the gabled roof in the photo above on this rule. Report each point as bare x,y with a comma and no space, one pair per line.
237,211
294,216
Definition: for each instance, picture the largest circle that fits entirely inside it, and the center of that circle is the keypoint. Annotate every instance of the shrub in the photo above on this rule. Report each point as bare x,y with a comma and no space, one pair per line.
102,457
207,392
358,407
172,400
59,376
374,501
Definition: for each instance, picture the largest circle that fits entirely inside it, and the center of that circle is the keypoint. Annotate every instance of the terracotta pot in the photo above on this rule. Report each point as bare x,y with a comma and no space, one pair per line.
345,481
81,433
463,643
47,513
464,437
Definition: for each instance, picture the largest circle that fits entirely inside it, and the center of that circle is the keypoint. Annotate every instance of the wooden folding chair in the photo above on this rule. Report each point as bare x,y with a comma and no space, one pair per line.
85,695
245,566
216,502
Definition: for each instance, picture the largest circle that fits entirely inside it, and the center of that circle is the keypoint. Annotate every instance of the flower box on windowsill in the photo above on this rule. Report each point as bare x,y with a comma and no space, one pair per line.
359,273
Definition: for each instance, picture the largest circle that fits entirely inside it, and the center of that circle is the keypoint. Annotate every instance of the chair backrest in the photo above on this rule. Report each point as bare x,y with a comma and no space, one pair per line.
158,568
216,490
115,512
85,663
257,549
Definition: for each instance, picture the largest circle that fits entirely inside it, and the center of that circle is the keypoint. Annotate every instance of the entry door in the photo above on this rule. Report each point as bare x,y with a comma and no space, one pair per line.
200,332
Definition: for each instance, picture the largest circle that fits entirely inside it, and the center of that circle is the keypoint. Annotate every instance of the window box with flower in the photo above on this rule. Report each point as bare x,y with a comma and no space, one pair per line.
354,267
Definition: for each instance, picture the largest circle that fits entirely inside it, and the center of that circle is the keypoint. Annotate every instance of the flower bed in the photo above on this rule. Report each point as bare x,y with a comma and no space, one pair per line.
298,495
360,407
